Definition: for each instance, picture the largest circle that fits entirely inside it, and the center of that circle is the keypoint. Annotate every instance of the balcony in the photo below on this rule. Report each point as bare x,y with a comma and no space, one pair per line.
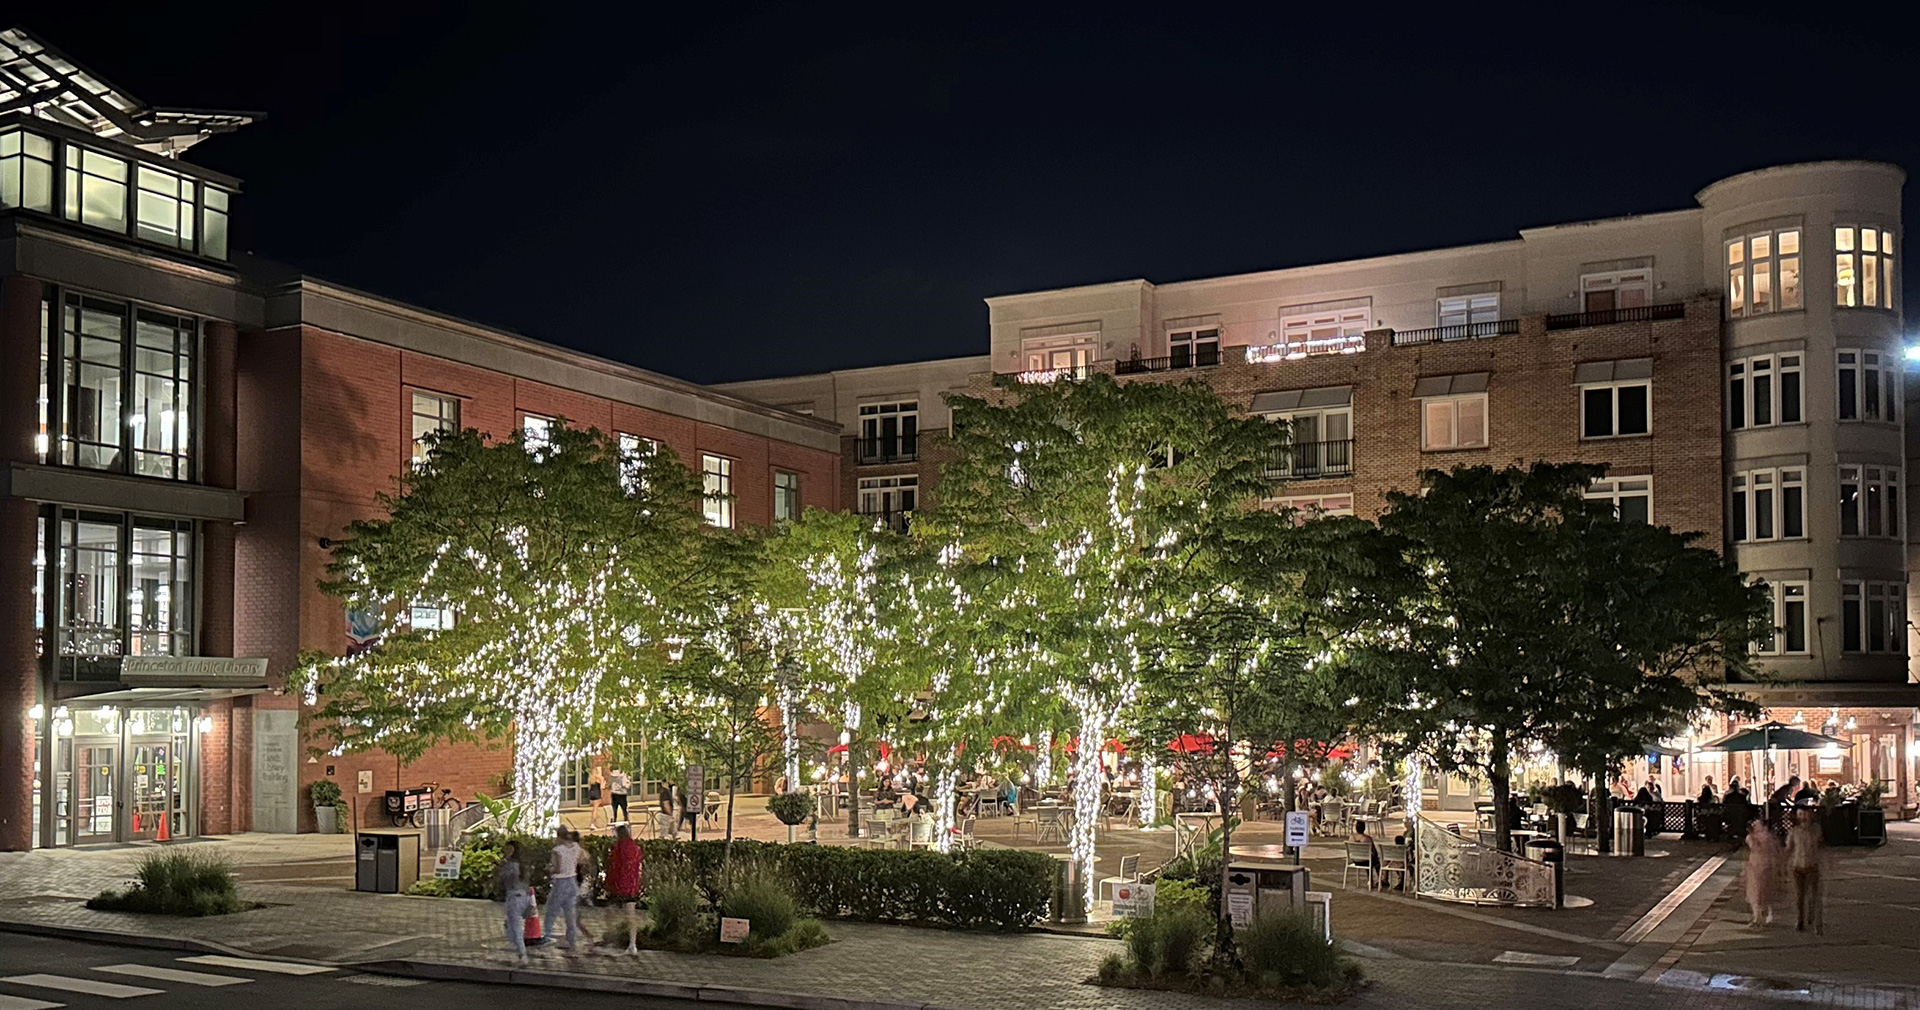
1313,460
1042,376
1608,317
895,521
886,450
1458,331
1203,357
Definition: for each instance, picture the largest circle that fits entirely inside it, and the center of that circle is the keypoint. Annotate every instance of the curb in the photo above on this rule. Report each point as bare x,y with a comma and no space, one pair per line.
114,936
631,986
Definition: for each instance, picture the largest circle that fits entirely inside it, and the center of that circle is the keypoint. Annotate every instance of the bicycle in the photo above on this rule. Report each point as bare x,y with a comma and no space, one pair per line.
410,806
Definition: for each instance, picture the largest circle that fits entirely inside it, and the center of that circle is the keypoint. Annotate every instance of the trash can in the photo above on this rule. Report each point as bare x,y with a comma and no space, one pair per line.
386,862
1069,891
1256,888
1629,832
437,821
1554,854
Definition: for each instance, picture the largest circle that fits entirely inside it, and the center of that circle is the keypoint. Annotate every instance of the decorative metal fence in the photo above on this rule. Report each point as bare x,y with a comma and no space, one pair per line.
1451,868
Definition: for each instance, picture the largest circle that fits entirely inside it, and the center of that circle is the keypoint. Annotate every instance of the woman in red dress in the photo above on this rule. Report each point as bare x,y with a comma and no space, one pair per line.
623,883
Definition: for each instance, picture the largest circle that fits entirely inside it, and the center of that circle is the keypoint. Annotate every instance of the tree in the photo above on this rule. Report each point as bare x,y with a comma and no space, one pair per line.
543,567
1533,616
1077,505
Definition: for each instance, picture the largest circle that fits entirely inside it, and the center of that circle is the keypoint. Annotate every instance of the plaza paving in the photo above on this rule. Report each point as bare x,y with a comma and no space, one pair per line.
1422,953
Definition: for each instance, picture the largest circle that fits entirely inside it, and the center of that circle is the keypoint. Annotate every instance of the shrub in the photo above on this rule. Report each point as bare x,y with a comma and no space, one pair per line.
1169,942
324,793
760,899
433,887
673,904
176,883
791,808
1171,894
477,866
1288,950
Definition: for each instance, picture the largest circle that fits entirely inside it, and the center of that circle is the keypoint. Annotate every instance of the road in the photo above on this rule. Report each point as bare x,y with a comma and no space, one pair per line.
39,973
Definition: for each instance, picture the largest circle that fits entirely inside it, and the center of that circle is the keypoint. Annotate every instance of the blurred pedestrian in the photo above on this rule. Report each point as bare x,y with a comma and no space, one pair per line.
596,796
584,874
1763,873
623,884
618,786
563,895
519,903
1804,858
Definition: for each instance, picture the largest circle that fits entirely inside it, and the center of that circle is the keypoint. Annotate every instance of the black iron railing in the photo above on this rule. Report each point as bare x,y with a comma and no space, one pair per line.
1607,317
1303,460
1203,357
1458,331
884,450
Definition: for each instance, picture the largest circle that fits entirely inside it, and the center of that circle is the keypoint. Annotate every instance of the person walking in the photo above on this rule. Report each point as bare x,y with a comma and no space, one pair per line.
623,884
1803,858
668,817
1763,873
563,896
518,902
618,785
584,873
596,796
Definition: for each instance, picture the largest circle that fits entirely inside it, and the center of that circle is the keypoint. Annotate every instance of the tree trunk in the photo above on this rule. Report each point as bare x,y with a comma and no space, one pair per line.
853,787
1500,773
536,769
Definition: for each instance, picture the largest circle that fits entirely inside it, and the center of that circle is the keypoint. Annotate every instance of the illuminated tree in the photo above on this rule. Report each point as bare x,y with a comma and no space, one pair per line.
1535,617
526,585
1079,504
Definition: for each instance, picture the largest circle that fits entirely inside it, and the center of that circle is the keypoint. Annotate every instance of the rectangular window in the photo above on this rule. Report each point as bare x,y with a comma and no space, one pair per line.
636,454
1793,507
164,207
1465,310
427,617
93,393
716,485
1334,330
1615,409
213,222
1617,289
160,589
536,433
786,495
125,388
433,415
1306,507
1631,498
889,500
124,586
159,424
96,189
1049,359
1869,501
26,171
1768,505
1763,272
1873,617
1862,267
1788,634
889,432
1454,422
1868,385
1193,348
1319,443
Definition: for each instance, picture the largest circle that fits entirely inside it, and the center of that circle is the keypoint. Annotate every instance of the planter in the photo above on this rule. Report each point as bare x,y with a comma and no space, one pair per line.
1873,826
326,820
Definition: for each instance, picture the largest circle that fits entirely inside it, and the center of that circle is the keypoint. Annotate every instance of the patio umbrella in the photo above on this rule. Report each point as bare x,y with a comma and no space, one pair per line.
1769,735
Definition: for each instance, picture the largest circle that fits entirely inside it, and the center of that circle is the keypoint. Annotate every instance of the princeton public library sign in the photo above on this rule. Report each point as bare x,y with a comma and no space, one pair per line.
192,671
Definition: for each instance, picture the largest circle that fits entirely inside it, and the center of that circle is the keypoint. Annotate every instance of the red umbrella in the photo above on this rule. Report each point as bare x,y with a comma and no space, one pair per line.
838,748
1009,743
1189,743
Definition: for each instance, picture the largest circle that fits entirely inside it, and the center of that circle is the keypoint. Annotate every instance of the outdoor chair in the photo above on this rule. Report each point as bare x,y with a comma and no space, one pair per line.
1052,823
1359,857
1129,874
1393,859
920,833
1488,838
963,836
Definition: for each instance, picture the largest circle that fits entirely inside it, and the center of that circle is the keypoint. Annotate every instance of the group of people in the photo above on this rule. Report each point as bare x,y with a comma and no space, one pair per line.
570,867
1768,860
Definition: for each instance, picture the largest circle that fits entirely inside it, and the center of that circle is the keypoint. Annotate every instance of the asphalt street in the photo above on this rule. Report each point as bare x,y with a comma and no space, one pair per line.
38,973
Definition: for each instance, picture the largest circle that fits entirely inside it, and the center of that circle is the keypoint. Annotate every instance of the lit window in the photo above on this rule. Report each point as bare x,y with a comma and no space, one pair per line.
1763,272
1631,498
536,433
786,495
1764,390
1862,267
1051,358
1319,442
160,421
433,415
1466,310
1869,385
889,500
1768,504
1305,331
1191,348
1869,501
163,209
96,189
889,432
425,617
1788,634
120,408
213,222
1454,422
1873,617
716,485
636,452
124,586
26,171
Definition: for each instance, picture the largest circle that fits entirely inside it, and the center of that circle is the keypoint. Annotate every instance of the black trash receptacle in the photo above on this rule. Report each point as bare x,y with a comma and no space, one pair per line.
386,862
1554,854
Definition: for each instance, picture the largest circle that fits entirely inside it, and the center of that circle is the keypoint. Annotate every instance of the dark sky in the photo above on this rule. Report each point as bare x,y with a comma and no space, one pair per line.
737,193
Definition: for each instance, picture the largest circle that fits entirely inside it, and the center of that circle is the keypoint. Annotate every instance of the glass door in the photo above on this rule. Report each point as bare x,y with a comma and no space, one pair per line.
95,798
154,788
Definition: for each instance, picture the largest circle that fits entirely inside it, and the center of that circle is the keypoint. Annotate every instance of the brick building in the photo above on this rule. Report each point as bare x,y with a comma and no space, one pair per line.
186,431
1738,364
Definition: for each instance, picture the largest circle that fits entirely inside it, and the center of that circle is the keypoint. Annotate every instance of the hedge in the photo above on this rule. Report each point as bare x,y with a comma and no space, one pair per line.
986,889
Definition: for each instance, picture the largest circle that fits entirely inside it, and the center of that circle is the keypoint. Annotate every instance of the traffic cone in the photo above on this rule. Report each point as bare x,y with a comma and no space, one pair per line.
163,835
136,822
532,931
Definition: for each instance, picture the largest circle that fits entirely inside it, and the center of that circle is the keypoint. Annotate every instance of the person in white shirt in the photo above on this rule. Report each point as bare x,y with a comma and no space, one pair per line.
618,784
563,896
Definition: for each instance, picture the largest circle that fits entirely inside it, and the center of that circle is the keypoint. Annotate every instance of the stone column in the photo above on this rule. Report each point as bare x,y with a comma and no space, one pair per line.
19,662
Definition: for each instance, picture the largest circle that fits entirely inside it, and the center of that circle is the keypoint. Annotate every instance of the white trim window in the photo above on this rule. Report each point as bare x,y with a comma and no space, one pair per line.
1047,359
1769,504
1453,422
786,495
716,490
1763,272
890,500
637,452
1873,617
889,431
1465,310
427,617
1193,348
1868,385
433,414
1631,498
1616,289
1788,635
1332,330
1305,507
1862,267
1869,501
1616,409
1765,390
536,433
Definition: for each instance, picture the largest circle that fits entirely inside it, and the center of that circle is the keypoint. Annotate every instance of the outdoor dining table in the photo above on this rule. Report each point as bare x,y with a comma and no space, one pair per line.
1052,820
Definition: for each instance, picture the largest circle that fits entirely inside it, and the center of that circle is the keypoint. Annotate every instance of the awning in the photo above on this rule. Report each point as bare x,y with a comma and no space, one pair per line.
160,696
1612,371
1450,385
1299,399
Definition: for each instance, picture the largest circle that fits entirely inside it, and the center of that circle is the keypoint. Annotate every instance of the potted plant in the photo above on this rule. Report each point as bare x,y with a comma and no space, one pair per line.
1873,819
791,809
325,795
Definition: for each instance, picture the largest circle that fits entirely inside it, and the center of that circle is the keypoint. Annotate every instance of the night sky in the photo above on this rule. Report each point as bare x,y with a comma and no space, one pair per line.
735,194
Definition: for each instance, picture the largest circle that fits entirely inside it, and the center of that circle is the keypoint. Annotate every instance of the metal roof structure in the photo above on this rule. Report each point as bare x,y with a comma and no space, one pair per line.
39,79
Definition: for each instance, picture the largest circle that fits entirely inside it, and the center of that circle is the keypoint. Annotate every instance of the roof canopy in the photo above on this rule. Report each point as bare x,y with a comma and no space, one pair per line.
38,79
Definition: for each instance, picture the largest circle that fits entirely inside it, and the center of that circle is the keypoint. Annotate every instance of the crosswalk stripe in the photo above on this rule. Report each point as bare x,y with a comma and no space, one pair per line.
91,987
163,974
23,1003
251,964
